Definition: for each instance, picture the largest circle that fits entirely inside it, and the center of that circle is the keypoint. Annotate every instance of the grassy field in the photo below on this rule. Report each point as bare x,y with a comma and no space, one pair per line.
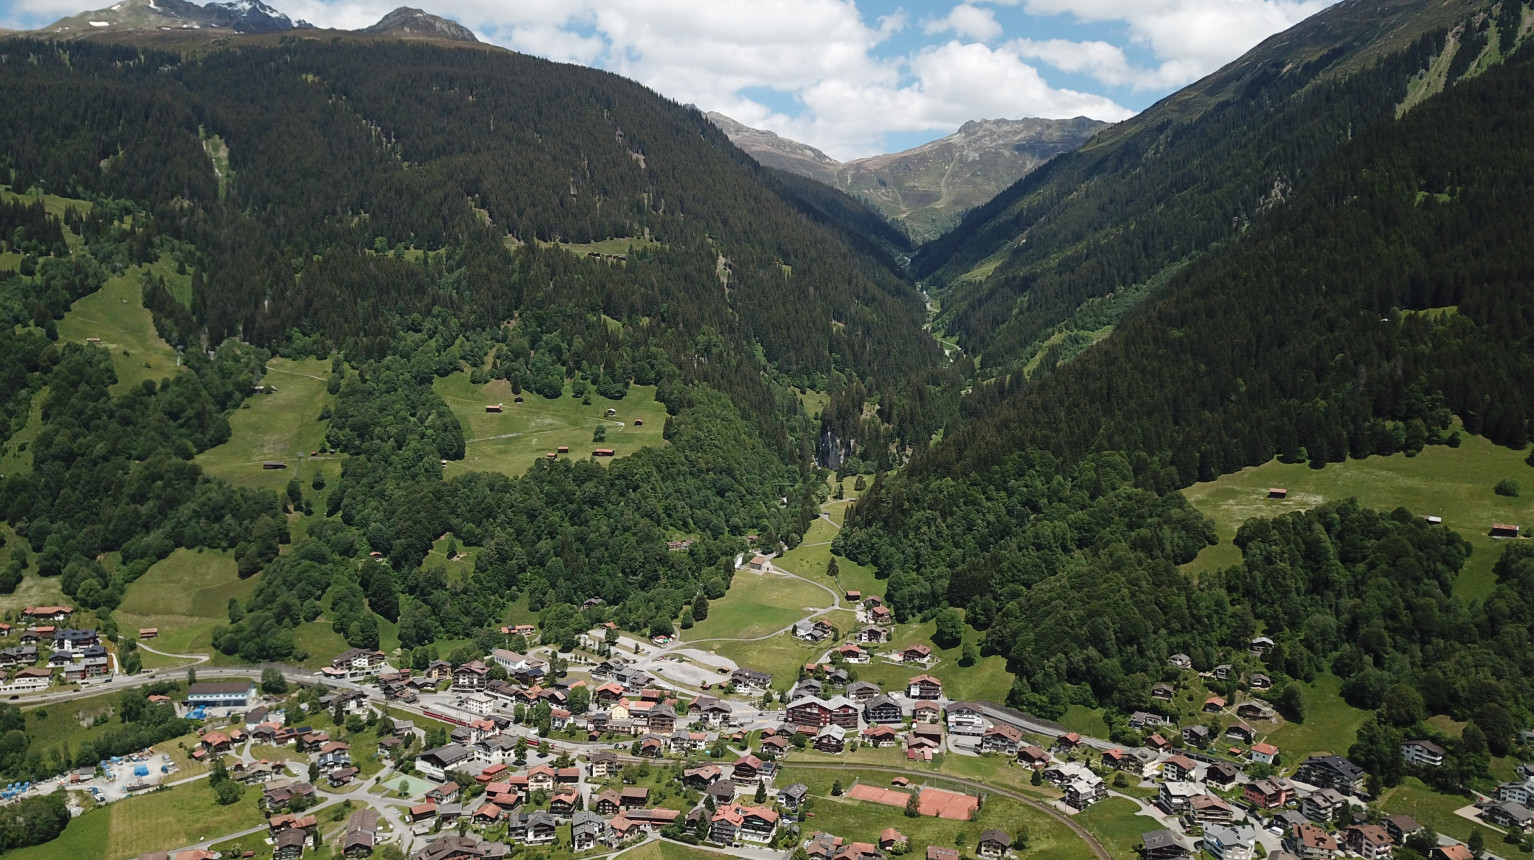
34,590
780,656
758,604
670,851
1331,725
987,679
1453,483
165,819
859,820
1414,798
510,441
621,245
283,425
814,402
1116,825
185,596
115,313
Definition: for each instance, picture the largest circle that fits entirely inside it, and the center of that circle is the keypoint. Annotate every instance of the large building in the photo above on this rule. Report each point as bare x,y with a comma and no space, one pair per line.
221,694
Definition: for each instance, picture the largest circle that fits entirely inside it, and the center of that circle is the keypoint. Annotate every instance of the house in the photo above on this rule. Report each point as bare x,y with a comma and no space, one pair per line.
57,614
882,709
1003,739
1400,827
759,563
880,736
358,662
860,692
813,631
702,777
70,640
917,653
1142,719
1259,681
471,676
793,796
1068,742
533,828
1162,845
1423,753
1196,736
851,653
289,845
1255,709
936,853
1451,852
221,694
1322,805
1210,809
1310,842
881,615
1268,793
1369,841
734,823
1242,732
723,791
1331,771
1138,762
1033,757
750,680
993,843
285,795
603,764
1221,773
1081,786
562,805
965,718
361,833
1178,767
435,763
1163,692
1506,813
1181,661
924,687
1214,705
873,634
1230,841
1175,795
891,839
1263,753
815,713
831,739
1223,672
746,768
1502,530
925,712
608,803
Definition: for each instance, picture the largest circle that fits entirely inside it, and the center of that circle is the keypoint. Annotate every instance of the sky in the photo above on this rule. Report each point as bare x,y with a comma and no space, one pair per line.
854,77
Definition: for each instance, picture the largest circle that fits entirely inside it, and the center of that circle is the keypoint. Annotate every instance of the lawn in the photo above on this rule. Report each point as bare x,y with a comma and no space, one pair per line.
670,851
115,313
1453,483
781,656
862,821
34,590
1331,724
1084,720
283,425
1116,824
185,595
177,816
1412,797
987,679
758,604
320,641
509,441
814,402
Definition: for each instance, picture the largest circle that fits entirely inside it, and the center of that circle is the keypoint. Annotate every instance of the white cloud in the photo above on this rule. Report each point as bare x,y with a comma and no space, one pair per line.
1191,38
974,22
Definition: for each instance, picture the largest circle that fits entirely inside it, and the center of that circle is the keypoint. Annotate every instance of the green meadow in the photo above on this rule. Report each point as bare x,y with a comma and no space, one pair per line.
116,314
283,425
509,441
1452,483
185,596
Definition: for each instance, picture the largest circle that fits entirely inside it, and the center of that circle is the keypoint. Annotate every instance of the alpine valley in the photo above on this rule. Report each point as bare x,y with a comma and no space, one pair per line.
412,448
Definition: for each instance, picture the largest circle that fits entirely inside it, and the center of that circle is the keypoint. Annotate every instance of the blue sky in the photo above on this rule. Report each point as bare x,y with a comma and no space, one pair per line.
855,77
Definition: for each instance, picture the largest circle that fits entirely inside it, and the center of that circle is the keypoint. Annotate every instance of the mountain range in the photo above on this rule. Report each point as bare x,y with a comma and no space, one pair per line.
926,189
238,16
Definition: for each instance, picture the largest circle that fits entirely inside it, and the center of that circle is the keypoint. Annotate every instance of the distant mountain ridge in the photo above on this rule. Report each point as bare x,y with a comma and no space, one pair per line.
239,16
929,187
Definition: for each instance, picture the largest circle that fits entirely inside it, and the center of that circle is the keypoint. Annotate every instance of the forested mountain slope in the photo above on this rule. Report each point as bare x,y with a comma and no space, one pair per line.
1071,246
1390,292
413,211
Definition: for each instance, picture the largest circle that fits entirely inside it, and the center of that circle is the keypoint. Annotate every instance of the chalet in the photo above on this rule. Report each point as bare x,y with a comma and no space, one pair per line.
917,653
289,845
1210,809
1181,661
1068,742
924,687
447,792
361,834
925,711
421,812
603,764
1268,793
358,662
286,795
1080,785
880,736
936,853
965,718
652,747
342,776
758,563
1311,842
1214,705
1163,692
1003,739
1400,827
1255,709
533,828
1162,845
1230,842
873,634
831,739
862,692
702,777
562,805
1508,814
1178,767
1197,736
881,615
472,675
58,614
1175,795
1331,772
891,839
1263,753
1322,805
813,631
1457,851
1033,757
586,831
851,653
793,796
1423,753
814,713
1369,841
733,824
1259,681
1242,732
746,768
1222,773
750,680
993,843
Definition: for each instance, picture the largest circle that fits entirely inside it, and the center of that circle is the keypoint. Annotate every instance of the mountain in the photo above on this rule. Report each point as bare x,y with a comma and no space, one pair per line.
925,189
406,21
1064,253
240,16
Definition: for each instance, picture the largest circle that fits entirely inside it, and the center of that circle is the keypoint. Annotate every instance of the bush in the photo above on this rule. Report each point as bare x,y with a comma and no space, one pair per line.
1507,487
